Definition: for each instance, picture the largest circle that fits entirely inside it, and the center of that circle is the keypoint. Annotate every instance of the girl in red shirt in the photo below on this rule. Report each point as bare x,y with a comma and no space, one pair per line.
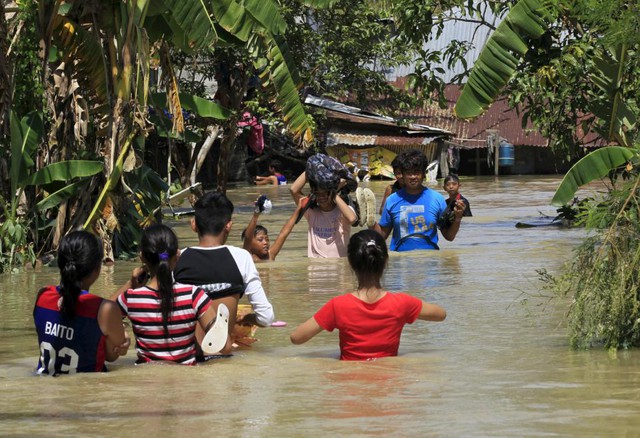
370,319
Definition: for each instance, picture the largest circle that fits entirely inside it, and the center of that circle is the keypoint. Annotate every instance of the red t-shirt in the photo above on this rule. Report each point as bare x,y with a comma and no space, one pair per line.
369,330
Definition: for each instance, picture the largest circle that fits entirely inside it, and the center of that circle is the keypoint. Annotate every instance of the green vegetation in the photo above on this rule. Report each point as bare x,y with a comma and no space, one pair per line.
572,68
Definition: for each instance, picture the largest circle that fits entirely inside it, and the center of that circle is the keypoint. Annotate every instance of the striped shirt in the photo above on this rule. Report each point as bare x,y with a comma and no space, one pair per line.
142,306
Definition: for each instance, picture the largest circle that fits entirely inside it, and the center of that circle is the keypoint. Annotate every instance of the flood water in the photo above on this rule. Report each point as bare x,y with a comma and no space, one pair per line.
499,365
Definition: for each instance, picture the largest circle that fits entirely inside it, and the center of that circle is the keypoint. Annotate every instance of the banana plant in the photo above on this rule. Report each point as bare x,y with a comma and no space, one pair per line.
614,110
502,54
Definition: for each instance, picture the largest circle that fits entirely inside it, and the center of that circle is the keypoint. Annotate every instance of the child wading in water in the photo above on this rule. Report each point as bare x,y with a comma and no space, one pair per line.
77,331
370,320
164,314
255,237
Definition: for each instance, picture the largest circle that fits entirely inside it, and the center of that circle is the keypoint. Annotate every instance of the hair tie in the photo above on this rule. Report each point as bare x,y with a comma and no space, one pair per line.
371,243
163,256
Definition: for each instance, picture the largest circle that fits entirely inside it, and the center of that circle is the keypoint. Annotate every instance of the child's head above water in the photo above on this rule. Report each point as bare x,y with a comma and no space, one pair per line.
212,213
451,184
368,255
79,259
259,243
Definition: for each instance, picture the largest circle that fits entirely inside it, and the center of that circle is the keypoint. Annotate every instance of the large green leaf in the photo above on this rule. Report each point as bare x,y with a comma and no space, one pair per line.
202,107
595,165
499,58
267,13
618,119
191,23
233,18
64,171
58,197
25,137
282,74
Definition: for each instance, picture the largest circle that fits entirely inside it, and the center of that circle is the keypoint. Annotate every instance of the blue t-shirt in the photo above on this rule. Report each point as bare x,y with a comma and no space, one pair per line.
415,216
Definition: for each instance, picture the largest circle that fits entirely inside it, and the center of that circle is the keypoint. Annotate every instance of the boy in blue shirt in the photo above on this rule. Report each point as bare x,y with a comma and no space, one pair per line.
412,213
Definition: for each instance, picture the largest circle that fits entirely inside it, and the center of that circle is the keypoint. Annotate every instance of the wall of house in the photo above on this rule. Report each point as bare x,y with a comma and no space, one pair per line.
529,160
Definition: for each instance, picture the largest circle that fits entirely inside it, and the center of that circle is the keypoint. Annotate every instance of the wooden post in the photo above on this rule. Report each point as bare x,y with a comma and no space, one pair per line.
494,143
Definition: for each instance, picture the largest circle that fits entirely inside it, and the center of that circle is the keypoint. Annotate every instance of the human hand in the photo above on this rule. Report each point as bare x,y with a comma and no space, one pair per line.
122,349
459,208
139,277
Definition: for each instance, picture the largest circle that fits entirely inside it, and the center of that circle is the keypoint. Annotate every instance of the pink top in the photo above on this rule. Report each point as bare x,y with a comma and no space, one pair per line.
329,233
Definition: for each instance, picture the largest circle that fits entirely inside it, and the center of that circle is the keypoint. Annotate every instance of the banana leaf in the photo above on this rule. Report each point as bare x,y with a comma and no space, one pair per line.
25,136
283,76
595,165
233,18
202,107
498,59
58,197
190,22
64,171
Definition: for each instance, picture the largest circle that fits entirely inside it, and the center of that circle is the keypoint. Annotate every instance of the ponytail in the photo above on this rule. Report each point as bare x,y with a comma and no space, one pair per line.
79,255
368,255
158,245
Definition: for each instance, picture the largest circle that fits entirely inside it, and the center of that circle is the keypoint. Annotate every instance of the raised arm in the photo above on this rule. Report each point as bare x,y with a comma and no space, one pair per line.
284,233
346,211
451,231
250,231
296,188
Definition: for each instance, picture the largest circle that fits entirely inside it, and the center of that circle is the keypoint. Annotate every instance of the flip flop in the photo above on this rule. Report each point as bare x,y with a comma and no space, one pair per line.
362,206
370,201
216,337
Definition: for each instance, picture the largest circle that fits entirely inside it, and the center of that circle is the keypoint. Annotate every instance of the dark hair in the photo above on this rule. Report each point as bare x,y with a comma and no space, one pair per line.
367,253
212,212
79,255
158,245
395,165
277,165
258,229
451,177
412,159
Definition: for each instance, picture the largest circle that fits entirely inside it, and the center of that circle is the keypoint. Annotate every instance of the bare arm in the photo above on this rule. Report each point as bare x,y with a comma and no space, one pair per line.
110,322
451,231
383,231
296,188
347,212
250,231
265,180
387,192
284,233
432,312
305,331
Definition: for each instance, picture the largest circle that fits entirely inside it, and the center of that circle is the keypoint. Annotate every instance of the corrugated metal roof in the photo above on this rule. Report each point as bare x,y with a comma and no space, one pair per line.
339,111
474,134
338,138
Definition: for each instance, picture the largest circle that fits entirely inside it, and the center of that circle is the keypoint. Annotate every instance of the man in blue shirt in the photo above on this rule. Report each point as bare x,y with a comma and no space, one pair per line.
412,213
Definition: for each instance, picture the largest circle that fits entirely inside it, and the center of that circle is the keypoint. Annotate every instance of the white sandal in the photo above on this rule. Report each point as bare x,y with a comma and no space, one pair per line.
370,202
216,337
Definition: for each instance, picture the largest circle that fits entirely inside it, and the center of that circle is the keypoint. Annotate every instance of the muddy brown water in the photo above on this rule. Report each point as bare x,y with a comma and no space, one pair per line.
499,365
